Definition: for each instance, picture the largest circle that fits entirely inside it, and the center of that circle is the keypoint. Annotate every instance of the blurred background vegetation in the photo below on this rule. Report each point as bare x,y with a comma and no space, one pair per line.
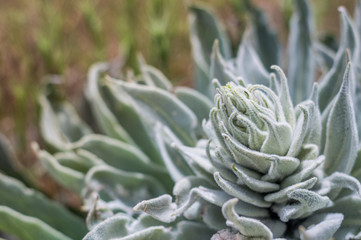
41,37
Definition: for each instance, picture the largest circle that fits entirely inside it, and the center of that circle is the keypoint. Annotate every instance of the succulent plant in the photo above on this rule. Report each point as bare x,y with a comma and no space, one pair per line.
276,156
264,167
28,214
271,168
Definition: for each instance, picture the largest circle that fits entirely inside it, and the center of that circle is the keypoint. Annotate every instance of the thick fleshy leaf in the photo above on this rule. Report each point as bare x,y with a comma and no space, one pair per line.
306,168
33,204
308,202
154,77
253,183
175,164
60,125
264,38
196,101
80,160
324,121
241,192
127,187
67,177
341,136
349,36
26,227
277,227
161,208
357,105
223,164
278,139
301,128
285,98
348,232
197,159
314,132
219,197
276,166
219,68
332,185
280,167
350,207
119,227
204,30
129,116
213,218
245,156
301,69
192,201
105,118
321,226
248,227
331,82
248,65
153,105
119,154
283,194
183,187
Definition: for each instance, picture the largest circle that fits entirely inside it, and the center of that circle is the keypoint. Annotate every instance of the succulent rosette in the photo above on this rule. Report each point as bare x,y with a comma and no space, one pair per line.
274,156
263,155
262,164
267,153
280,157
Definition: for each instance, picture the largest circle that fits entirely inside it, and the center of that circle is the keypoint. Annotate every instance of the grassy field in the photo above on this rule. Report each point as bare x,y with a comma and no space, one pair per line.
42,37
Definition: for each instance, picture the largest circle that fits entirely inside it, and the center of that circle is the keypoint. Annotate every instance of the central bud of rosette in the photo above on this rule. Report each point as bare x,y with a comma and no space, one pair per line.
263,149
254,117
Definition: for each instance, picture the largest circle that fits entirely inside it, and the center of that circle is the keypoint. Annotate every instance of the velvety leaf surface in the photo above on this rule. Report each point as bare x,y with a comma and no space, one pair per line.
301,70
321,226
248,227
341,137
331,82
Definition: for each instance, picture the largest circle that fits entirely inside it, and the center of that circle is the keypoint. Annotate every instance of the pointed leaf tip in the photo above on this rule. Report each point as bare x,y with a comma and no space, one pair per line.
341,136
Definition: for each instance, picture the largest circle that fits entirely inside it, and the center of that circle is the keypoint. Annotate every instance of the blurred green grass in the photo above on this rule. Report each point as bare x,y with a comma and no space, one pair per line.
41,37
